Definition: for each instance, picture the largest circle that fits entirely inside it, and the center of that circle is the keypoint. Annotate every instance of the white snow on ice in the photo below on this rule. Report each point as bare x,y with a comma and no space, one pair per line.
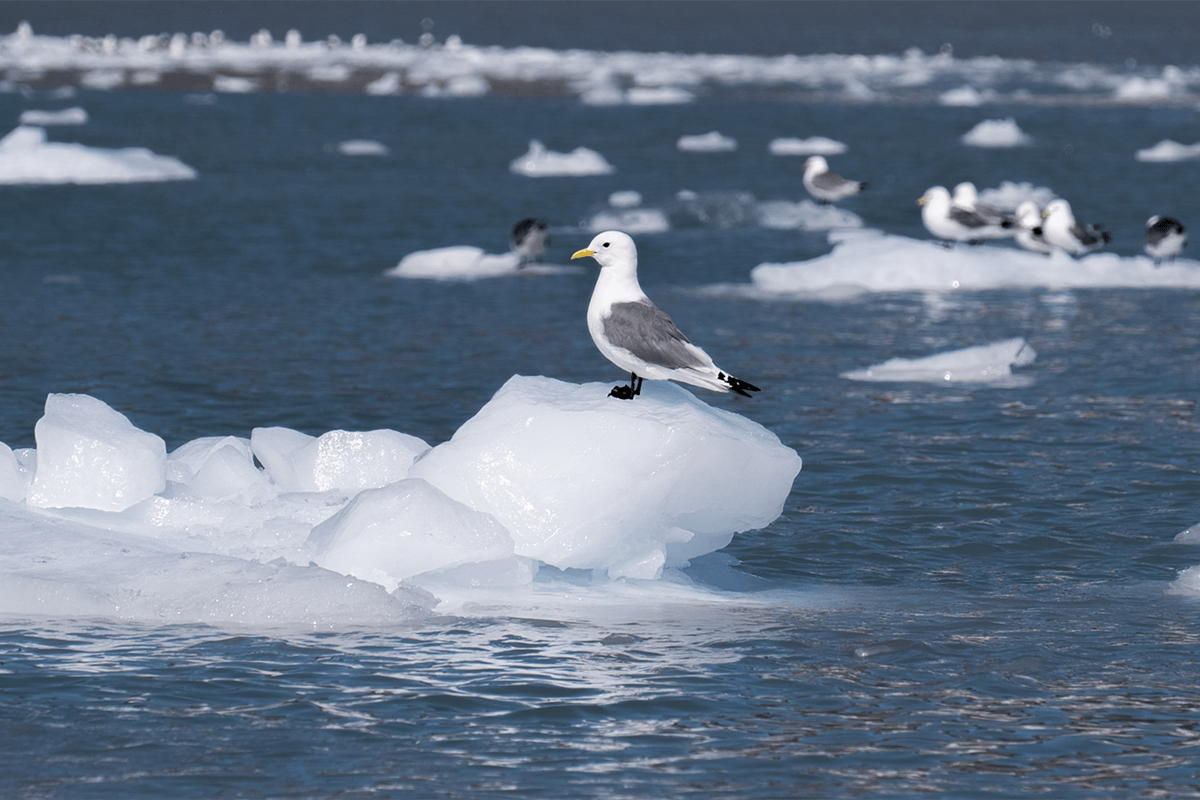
538,162
27,157
989,363
996,133
872,261
345,528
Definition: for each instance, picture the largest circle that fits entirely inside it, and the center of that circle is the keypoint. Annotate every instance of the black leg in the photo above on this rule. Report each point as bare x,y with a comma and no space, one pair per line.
628,392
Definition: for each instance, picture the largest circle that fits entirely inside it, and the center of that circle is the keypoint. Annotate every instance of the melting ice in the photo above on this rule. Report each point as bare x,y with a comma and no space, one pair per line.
988,363
99,519
27,157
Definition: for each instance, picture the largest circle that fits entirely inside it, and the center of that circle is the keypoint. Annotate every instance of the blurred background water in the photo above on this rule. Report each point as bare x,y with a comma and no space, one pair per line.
967,591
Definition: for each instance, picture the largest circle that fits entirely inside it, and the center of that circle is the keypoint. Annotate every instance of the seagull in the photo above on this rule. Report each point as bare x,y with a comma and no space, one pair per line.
633,333
529,239
826,186
966,198
1029,228
1062,230
1165,238
950,223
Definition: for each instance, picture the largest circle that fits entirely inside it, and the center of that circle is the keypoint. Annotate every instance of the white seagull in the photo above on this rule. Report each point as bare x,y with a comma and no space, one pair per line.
633,333
1061,229
1029,229
1165,238
529,239
1000,225
826,186
950,223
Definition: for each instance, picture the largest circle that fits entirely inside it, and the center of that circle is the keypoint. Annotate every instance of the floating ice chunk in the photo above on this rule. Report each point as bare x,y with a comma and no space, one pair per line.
996,133
1141,88
102,79
338,460
26,157
812,146
392,533
1168,150
625,199
1189,536
388,83
219,468
989,363
657,96
966,96
91,456
68,569
12,483
539,162
234,84
584,481
630,220
805,215
869,260
362,147
711,142
1187,584
458,262
66,116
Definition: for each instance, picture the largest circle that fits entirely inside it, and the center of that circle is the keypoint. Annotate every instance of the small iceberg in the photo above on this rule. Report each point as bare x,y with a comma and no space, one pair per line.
539,162
804,215
996,133
362,147
66,116
467,263
812,146
989,363
966,96
1168,150
711,142
27,158
624,214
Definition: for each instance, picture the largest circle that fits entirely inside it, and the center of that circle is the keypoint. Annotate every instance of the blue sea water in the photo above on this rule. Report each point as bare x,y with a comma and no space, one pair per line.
966,593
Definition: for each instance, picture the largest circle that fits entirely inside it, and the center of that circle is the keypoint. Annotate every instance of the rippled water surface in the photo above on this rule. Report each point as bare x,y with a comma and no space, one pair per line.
968,591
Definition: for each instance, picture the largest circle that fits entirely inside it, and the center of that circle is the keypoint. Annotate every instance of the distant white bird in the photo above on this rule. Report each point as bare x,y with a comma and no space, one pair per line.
950,223
826,186
633,333
1029,228
1165,238
1062,230
529,239
999,224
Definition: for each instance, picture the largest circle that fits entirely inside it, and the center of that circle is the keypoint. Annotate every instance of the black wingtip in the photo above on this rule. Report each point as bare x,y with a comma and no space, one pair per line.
739,386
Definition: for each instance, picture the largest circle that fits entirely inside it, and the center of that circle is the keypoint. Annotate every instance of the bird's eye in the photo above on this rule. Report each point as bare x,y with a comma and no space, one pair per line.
606,244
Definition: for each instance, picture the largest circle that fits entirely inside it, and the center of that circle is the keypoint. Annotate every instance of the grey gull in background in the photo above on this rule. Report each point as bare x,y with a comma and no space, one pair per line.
1029,228
633,333
950,223
1062,230
1165,238
529,239
826,186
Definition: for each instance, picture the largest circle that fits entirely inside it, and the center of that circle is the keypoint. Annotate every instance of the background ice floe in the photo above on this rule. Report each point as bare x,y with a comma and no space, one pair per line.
1169,150
873,261
362,147
812,146
65,116
996,133
711,142
466,262
27,157
988,363
538,162
100,520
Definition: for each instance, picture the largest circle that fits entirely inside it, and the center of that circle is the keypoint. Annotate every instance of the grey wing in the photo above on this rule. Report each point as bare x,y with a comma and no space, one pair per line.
646,331
829,181
1086,235
966,218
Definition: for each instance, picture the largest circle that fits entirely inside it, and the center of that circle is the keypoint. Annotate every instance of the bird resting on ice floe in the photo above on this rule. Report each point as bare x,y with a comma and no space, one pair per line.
1000,225
1029,229
826,186
950,223
1165,238
529,239
1062,230
637,336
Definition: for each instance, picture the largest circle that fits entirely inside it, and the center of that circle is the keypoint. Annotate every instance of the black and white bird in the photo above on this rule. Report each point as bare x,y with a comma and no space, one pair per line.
1062,230
1165,238
826,186
1029,228
637,336
999,224
950,223
529,239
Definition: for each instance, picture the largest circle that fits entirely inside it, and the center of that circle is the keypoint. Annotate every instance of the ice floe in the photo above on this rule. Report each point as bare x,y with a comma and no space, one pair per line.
625,214
362,147
27,157
711,142
466,262
99,520
996,133
868,260
988,363
65,116
1168,150
538,162
812,146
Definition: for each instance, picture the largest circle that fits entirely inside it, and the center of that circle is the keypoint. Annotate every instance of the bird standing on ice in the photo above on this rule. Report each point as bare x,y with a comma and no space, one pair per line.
826,186
1165,238
1061,229
529,239
951,223
633,333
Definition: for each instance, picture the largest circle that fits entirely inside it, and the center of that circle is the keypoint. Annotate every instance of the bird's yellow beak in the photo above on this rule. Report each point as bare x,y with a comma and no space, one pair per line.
582,253
1045,215
921,200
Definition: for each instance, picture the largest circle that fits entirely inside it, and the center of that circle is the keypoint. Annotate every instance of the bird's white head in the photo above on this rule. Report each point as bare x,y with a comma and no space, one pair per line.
815,164
965,195
611,248
1059,209
934,196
